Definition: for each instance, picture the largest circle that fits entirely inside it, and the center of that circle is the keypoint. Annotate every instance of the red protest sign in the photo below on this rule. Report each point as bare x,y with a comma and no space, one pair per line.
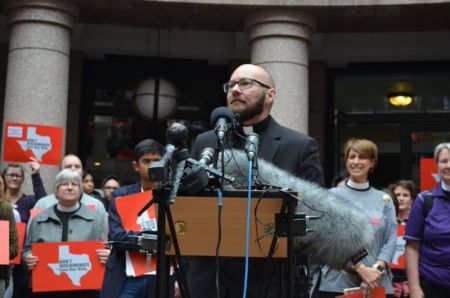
399,257
21,228
128,208
428,174
67,266
376,293
23,141
4,246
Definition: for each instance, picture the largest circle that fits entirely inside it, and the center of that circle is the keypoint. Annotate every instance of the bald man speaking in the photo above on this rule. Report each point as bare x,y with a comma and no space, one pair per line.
251,93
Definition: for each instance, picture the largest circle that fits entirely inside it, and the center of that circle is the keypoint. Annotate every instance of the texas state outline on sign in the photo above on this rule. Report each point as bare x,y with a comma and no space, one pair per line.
75,266
38,144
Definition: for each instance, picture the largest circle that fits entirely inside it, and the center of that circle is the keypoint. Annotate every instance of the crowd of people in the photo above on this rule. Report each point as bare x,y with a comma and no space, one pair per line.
76,211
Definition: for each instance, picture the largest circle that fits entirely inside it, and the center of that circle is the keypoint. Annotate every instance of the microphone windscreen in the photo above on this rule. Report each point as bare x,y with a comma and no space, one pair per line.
221,112
339,233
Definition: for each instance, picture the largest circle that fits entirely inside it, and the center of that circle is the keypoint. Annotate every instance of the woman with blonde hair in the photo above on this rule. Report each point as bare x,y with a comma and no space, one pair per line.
361,157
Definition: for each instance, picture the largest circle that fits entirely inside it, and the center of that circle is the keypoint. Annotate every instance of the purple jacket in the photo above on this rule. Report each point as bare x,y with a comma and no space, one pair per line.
434,234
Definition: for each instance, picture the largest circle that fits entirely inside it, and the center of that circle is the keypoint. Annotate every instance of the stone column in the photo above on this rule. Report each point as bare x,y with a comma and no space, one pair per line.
279,41
38,66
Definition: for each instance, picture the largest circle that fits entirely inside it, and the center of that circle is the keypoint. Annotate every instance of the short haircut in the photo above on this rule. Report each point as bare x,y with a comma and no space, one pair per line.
364,147
110,177
67,155
147,146
406,184
65,176
438,150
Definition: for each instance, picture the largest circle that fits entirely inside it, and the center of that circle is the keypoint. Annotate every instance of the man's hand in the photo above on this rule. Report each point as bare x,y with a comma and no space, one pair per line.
34,165
31,261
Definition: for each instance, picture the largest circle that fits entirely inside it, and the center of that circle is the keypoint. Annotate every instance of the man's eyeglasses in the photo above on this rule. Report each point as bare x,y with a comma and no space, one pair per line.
14,176
244,83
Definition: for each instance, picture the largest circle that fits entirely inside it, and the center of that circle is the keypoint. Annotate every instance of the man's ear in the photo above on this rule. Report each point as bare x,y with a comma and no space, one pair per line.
270,96
135,165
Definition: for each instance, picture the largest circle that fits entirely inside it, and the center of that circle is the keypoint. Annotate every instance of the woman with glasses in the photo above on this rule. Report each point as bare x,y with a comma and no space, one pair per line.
14,176
67,221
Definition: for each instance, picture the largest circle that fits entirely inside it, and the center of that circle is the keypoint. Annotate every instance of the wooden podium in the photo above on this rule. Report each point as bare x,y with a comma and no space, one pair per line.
196,226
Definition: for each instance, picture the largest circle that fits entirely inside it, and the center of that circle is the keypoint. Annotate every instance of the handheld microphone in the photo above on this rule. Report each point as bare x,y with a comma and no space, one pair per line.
251,145
220,118
206,156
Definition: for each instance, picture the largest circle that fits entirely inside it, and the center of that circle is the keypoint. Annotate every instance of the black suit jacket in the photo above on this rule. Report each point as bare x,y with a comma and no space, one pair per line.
287,149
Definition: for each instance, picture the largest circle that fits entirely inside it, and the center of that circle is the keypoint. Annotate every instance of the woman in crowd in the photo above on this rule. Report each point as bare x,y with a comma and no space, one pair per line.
428,235
14,176
361,157
404,192
88,186
6,213
68,220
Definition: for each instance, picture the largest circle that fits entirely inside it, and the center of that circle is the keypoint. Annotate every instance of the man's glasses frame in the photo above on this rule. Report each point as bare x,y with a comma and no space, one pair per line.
243,84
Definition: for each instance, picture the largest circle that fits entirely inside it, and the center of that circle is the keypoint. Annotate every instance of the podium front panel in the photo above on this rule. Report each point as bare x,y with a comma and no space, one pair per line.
196,225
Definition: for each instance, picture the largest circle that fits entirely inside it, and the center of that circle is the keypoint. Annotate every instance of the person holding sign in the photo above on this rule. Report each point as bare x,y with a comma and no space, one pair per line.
14,176
361,157
427,235
404,192
68,220
6,213
120,280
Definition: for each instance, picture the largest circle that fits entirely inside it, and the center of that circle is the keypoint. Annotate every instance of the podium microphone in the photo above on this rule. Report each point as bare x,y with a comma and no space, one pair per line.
220,118
251,145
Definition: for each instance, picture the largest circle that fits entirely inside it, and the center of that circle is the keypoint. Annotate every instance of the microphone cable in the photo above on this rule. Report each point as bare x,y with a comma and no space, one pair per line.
219,222
247,238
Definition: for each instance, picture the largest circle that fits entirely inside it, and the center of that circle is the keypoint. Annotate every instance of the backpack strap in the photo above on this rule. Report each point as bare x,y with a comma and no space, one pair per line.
427,203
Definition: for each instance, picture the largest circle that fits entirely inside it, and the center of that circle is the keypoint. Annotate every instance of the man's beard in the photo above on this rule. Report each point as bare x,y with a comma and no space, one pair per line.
252,110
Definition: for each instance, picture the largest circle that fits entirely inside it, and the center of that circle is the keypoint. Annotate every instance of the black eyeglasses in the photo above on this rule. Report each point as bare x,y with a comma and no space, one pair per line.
14,176
244,83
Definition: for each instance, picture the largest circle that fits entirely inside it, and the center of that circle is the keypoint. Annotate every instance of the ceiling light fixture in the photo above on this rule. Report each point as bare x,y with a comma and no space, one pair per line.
400,94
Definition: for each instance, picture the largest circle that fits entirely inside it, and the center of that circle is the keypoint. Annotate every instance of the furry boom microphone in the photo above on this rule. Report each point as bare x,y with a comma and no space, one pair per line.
339,233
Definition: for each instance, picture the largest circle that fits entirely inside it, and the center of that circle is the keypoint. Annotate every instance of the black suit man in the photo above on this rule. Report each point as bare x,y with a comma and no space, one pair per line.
251,93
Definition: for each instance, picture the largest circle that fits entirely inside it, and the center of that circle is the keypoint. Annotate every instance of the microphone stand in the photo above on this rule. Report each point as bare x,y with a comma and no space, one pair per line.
164,197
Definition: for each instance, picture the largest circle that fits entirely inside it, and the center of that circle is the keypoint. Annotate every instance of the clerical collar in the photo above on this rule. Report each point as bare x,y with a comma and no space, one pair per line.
259,127
68,209
445,187
358,186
